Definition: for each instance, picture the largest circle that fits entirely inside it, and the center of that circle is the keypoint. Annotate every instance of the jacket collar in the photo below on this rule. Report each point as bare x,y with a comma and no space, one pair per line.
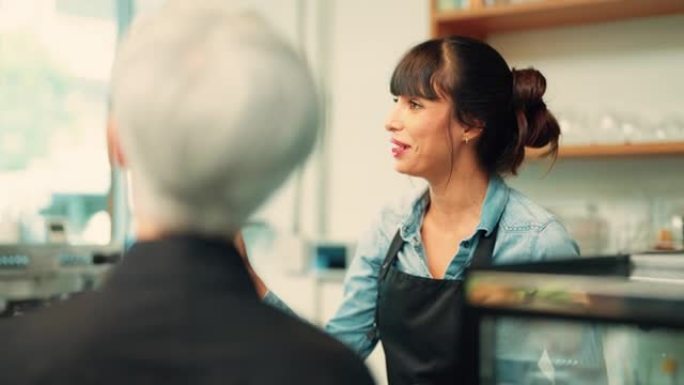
184,261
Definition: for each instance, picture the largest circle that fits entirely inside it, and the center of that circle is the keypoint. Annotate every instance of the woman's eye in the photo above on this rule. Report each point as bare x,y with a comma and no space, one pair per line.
414,105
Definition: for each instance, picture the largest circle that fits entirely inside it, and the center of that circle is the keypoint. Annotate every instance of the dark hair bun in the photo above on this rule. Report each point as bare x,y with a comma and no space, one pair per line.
537,127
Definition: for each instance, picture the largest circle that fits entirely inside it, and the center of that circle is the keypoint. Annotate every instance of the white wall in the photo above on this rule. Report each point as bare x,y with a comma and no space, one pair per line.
369,39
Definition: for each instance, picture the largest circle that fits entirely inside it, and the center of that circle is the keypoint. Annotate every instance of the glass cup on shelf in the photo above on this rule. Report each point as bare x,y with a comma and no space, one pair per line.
573,128
606,129
448,5
652,130
490,3
663,129
632,129
673,127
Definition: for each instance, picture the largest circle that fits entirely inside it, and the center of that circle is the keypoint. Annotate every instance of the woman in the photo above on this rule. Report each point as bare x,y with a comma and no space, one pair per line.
462,119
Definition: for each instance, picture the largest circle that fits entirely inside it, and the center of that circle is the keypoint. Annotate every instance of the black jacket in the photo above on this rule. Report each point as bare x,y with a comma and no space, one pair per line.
178,311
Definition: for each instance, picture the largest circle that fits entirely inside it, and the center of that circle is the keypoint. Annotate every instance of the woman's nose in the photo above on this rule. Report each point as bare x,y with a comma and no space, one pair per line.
392,125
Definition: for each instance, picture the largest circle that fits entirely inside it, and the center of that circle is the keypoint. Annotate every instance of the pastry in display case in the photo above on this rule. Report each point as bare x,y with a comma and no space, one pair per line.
604,320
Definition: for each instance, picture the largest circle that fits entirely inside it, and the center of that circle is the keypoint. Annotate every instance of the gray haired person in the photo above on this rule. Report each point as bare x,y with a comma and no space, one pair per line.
210,113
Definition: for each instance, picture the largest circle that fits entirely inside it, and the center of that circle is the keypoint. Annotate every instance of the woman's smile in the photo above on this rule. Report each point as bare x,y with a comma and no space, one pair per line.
398,148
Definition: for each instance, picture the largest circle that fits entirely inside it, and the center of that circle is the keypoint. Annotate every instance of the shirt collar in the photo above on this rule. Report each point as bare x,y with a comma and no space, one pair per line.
493,206
409,228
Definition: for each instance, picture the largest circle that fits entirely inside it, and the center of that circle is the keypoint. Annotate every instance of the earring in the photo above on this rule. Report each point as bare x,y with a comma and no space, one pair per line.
466,138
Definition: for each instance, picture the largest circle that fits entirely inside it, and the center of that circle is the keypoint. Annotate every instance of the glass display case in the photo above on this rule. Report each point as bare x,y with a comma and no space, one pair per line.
607,320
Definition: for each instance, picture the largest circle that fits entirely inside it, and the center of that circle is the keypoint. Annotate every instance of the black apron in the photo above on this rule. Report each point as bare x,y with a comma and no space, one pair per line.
419,321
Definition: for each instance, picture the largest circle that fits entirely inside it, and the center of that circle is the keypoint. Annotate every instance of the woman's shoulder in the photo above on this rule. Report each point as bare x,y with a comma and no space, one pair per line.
531,232
523,214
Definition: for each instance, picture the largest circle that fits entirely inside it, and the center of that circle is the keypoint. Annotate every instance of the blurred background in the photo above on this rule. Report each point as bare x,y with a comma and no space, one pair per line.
615,73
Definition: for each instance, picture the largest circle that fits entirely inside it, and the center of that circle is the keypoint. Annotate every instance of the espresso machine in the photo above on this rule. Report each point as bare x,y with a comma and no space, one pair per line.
37,275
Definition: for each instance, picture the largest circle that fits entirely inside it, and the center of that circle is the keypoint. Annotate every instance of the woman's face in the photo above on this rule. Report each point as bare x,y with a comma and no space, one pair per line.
420,140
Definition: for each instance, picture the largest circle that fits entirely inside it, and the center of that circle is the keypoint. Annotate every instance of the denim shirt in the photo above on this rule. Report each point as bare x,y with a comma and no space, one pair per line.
527,232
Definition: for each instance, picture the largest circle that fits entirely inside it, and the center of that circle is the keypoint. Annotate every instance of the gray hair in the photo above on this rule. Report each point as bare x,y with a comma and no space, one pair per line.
213,112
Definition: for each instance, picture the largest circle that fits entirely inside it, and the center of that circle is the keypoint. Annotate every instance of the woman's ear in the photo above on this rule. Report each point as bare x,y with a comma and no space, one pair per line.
472,126
116,156
473,130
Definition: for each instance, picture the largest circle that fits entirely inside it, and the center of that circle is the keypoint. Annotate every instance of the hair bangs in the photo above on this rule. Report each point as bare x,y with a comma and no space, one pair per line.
420,73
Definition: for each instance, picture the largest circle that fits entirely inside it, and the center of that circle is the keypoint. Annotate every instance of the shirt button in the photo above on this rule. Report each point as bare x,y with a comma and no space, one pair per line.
466,244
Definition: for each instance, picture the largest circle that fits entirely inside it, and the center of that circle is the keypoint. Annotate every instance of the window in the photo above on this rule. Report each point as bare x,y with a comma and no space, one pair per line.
55,60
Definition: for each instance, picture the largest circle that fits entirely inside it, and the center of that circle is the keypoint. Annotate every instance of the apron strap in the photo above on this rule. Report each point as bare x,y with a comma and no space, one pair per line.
396,245
485,250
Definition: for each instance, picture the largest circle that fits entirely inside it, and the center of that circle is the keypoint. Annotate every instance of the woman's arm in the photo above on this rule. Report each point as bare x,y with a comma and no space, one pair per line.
354,322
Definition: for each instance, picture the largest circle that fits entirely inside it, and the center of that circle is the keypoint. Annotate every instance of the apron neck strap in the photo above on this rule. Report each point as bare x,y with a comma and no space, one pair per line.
396,245
485,250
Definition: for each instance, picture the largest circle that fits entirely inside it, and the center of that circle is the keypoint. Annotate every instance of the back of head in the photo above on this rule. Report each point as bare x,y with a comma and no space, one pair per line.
213,112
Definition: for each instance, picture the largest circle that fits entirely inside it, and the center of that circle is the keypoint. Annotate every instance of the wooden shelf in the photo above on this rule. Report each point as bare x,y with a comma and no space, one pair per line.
480,21
615,150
